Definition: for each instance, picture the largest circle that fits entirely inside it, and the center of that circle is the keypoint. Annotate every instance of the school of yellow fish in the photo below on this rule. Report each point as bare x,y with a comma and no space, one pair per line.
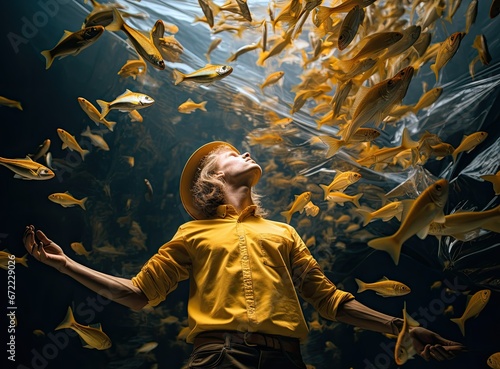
364,54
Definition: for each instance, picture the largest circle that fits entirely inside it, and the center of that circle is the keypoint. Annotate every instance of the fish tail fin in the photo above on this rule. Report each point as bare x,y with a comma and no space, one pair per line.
104,108
326,190
361,285
23,260
117,23
110,125
435,70
356,200
287,215
202,106
388,244
84,153
460,324
48,58
68,321
454,155
322,15
179,77
82,203
333,145
367,216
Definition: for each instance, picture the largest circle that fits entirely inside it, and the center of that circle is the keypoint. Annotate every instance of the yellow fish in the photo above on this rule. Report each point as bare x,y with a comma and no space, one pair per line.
404,349
10,103
41,151
340,182
324,12
385,287
66,200
94,338
96,140
5,256
427,99
428,206
207,74
470,15
79,249
494,361
70,142
72,43
207,10
446,50
133,68
27,169
469,143
460,224
386,213
143,44
298,205
272,79
495,180
94,114
127,101
337,197
148,346
475,305
213,45
189,106
349,26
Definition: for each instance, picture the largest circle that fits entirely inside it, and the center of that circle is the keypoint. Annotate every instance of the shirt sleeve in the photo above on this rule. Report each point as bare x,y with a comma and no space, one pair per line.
312,284
162,272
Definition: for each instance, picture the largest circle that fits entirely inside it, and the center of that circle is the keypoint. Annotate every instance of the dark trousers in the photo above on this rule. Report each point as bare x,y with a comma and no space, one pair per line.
230,355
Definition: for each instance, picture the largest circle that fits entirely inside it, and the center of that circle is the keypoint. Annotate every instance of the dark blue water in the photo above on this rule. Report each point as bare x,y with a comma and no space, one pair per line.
236,109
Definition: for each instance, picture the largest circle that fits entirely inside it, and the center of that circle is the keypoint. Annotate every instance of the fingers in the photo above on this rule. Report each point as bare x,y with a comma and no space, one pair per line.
441,353
29,238
42,237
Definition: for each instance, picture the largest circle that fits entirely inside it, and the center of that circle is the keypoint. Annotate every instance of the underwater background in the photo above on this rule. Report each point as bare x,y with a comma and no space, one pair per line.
119,215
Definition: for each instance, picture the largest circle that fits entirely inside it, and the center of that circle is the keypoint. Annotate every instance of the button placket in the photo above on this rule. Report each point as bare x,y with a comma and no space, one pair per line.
246,272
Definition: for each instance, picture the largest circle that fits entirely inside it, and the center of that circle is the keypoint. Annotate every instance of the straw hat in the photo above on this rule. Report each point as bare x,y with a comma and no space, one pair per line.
189,173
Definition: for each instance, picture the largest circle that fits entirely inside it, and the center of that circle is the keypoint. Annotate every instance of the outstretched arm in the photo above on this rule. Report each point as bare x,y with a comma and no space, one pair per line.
118,289
427,344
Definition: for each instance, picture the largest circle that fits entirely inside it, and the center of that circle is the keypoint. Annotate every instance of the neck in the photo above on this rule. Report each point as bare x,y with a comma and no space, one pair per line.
239,197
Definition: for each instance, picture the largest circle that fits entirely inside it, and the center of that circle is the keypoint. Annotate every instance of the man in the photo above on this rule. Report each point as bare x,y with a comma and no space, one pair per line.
244,273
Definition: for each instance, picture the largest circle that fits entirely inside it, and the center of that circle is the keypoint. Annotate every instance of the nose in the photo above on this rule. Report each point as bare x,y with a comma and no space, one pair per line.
245,155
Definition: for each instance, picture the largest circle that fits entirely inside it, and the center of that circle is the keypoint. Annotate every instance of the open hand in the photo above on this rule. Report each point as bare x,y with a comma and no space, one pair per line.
46,251
431,345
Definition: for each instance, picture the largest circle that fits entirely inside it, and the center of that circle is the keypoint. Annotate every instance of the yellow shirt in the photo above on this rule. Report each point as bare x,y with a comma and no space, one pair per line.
244,272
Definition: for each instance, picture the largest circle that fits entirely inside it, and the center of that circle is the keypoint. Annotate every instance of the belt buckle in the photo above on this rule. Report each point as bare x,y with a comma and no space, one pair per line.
245,336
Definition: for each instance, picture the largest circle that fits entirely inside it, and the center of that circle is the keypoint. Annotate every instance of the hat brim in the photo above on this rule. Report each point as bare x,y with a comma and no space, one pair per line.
189,174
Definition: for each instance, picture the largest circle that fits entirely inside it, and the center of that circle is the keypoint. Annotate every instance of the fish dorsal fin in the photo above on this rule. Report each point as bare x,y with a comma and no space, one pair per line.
189,100
384,278
67,193
406,141
65,35
127,91
339,172
97,326
28,158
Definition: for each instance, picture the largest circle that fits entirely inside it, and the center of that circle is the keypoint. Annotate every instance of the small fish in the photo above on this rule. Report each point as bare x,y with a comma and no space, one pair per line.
94,338
38,332
494,359
127,101
130,160
337,197
470,15
94,114
272,79
27,169
323,12
207,10
340,182
340,97
72,43
70,142
41,151
5,256
453,6
149,190
469,143
427,99
446,50
297,206
143,44
10,103
213,45
242,50
404,349
349,26
66,200
135,116
146,347
386,213
475,305
495,180
133,68
189,106
96,140
245,12
436,285
427,207
385,287
207,74
79,249
482,49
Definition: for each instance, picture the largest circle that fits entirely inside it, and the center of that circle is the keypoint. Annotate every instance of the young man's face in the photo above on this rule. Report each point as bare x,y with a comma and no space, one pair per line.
238,169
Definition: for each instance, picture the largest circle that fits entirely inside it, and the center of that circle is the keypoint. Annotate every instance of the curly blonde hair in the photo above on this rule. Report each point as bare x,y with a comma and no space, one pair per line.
208,189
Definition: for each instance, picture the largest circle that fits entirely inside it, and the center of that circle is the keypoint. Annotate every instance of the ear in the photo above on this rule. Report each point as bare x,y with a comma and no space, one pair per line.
219,174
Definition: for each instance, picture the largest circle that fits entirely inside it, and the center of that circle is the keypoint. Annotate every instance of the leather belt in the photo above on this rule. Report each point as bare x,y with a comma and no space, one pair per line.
275,342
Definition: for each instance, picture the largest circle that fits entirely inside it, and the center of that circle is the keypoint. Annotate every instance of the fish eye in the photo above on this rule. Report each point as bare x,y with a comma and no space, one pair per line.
438,187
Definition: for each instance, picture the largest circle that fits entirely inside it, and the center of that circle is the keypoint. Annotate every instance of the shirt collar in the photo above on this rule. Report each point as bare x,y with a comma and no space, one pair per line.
227,210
